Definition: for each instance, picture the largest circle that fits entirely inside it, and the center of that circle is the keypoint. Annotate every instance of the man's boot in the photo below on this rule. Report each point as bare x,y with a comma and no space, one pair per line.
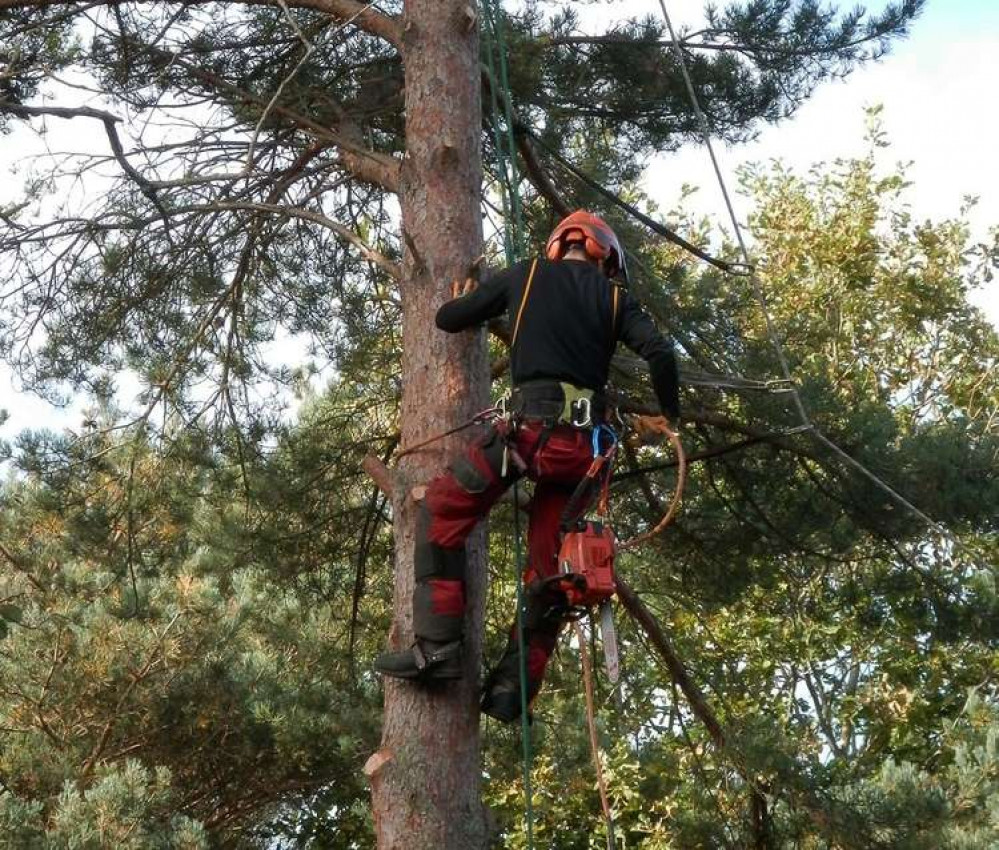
544,616
438,614
427,660
501,691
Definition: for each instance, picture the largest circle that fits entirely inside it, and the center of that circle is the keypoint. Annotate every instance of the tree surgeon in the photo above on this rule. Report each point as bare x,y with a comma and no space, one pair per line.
567,312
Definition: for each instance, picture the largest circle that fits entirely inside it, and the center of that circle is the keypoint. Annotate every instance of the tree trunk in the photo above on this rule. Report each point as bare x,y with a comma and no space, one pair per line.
425,779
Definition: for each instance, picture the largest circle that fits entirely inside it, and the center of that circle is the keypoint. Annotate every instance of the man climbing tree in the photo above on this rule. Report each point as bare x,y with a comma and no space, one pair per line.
568,312
255,153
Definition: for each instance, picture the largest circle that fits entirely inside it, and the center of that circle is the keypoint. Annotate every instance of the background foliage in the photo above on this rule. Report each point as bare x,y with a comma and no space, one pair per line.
192,592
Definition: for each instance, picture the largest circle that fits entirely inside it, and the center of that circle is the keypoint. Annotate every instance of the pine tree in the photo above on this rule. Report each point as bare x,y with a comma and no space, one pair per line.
276,212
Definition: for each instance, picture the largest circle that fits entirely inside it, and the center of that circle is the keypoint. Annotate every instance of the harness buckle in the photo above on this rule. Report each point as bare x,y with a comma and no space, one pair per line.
581,412
502,406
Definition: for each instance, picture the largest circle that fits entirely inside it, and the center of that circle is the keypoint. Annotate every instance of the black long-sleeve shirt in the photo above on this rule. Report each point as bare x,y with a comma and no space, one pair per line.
567,329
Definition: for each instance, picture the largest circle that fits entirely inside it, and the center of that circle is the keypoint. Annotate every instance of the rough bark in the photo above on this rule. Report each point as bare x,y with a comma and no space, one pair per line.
425,778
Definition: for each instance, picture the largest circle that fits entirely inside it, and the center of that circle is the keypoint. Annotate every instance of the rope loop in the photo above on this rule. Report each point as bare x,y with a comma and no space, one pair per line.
660,425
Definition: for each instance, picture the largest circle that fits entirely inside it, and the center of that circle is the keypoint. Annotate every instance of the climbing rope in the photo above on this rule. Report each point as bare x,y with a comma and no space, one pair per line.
591,725
498,138
506,159
480,417
584,656
659,425
514,246
525,728
511,148
705,131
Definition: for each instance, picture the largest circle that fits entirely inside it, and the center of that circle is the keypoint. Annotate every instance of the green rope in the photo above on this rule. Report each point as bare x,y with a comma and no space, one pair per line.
518,221
525,727
514,246
506,150
508,247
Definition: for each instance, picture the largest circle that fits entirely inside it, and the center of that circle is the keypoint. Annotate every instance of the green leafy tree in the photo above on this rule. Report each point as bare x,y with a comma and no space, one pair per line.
259,177
834,633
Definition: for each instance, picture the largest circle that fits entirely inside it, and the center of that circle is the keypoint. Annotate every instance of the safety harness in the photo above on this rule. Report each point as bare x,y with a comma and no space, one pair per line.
586,555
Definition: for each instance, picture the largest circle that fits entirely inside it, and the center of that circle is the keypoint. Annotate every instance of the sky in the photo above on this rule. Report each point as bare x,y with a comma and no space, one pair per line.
937,89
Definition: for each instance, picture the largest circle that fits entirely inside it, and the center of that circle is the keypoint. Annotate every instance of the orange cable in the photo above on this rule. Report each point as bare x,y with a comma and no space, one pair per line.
661,426
591,723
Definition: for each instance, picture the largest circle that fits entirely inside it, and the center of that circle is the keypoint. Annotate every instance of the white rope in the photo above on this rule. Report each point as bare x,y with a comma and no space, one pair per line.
806,423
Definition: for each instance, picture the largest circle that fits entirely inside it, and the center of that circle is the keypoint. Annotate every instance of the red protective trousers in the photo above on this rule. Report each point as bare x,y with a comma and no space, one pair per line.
557,460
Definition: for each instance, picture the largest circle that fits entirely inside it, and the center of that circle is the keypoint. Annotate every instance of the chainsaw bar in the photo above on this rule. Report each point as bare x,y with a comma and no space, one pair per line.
608,636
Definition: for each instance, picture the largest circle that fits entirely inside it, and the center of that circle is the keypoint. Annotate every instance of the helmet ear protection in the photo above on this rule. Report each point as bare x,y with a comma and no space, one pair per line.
557,248
595,235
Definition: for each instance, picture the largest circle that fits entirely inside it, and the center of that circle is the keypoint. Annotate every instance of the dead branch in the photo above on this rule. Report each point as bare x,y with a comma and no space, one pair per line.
678,670
71,226
646,621
109,121
379,473
541,179
364,163
345,233
535,170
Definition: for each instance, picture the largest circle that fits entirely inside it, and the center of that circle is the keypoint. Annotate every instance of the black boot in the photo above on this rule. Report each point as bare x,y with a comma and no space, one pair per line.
425,660
544,615
501,697
438,613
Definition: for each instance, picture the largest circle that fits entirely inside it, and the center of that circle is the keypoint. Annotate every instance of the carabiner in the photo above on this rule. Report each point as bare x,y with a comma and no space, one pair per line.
581,407
597,431
502,406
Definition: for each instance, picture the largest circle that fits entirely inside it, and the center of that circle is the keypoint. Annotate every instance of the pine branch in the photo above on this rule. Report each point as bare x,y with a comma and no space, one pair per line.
387,27
345,233
364,163
23,570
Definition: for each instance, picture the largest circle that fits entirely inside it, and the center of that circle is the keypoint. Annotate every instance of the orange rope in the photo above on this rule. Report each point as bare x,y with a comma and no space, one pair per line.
659,425
523,304
591,724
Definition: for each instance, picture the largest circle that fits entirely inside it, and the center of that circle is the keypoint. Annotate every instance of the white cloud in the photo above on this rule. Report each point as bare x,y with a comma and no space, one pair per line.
936,115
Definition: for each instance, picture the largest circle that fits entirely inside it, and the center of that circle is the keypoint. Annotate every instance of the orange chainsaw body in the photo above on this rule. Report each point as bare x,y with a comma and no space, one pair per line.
586,559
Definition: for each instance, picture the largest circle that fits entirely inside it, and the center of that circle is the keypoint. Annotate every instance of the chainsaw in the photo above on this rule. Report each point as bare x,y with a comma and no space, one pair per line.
586,562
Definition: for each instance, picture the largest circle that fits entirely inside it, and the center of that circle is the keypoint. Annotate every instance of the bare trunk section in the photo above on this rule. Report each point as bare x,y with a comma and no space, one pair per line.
425,779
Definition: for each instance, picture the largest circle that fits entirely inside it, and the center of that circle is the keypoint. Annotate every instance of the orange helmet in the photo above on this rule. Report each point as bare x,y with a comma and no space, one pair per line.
596,237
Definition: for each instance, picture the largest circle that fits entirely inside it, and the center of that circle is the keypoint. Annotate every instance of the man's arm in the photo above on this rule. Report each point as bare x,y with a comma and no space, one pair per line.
479,304
641,335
